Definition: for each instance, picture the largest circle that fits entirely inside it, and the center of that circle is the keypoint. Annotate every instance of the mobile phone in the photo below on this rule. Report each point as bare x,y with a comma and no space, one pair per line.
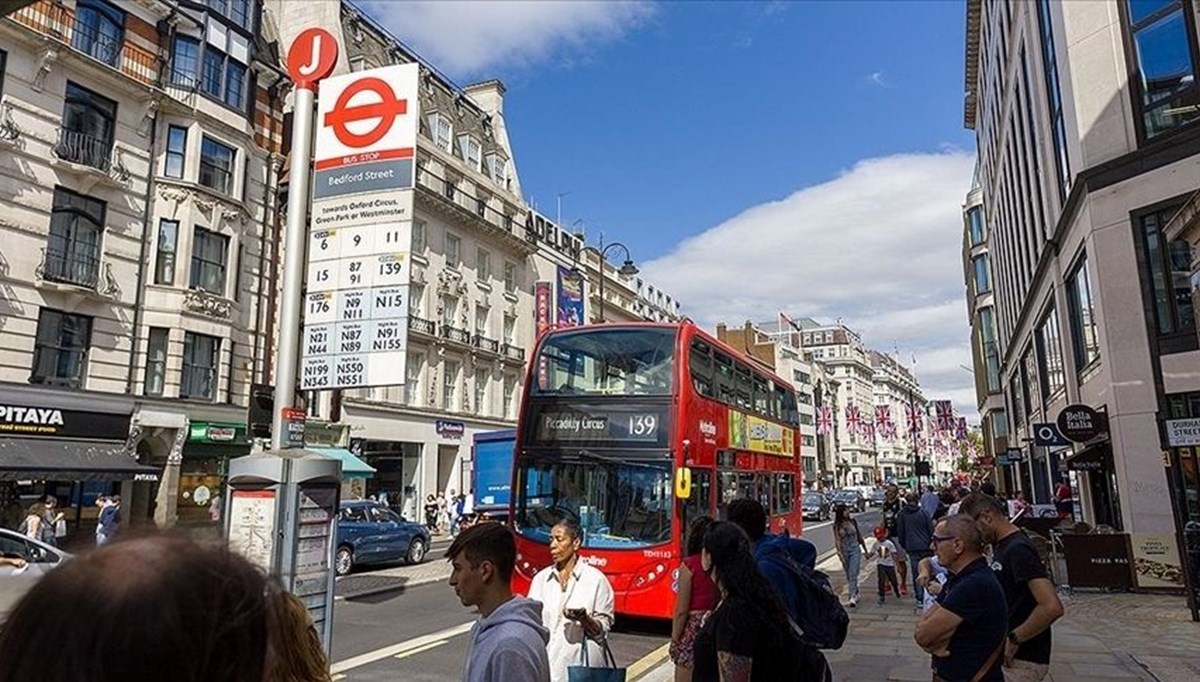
576,614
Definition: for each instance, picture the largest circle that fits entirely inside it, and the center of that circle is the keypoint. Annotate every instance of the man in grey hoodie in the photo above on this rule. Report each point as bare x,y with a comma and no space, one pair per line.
508,643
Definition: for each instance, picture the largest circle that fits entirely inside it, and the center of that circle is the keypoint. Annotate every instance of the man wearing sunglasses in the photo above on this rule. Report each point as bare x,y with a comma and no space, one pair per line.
965,630
1033,603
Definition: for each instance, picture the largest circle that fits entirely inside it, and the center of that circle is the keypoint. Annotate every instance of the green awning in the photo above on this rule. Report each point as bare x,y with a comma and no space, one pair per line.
351,464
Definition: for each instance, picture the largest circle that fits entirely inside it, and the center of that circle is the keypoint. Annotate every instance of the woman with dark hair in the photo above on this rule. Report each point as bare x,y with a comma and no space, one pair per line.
695,600
847,541
577,602
153,608
748,638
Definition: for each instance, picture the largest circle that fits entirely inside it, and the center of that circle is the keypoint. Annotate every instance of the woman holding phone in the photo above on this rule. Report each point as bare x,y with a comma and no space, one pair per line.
577,603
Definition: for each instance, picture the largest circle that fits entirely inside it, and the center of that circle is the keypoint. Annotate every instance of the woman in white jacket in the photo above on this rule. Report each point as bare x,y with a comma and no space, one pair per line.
577,603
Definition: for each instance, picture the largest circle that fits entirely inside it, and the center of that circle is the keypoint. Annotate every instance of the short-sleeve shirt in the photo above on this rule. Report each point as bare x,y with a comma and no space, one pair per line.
1015,561
704,592
737,628
973,594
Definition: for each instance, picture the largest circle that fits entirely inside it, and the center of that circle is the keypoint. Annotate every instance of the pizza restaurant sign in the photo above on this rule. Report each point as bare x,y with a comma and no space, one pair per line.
26,420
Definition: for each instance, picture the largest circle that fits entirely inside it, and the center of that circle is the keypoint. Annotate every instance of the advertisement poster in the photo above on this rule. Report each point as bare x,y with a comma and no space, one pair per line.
1156,561
252,526
570,298
541,306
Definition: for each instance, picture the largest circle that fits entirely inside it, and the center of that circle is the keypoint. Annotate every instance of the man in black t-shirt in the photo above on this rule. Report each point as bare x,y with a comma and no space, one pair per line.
964,631
1033,603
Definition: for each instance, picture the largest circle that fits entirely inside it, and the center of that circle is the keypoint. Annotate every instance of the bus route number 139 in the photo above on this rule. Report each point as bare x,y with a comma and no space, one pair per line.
643,426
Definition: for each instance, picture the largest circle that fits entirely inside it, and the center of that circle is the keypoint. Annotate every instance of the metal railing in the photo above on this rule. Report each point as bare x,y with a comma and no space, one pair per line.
420,324
476,206
514,352
70,267
456,335
484,343
59,22
84,149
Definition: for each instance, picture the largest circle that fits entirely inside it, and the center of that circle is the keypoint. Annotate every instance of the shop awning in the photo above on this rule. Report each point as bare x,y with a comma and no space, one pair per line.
351,464
1093,459
73,460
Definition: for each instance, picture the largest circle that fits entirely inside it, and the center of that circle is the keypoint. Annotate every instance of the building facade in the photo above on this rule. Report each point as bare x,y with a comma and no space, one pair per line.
896,390
139,143
1088,133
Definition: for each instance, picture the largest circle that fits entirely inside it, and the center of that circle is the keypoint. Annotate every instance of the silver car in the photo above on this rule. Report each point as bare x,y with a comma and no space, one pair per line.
40,558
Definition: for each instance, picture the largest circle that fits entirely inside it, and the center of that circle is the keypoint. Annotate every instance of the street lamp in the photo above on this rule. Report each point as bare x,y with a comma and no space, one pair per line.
627,269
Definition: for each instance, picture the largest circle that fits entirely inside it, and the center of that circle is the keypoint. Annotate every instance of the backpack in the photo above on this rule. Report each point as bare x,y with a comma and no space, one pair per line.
823,620
811,665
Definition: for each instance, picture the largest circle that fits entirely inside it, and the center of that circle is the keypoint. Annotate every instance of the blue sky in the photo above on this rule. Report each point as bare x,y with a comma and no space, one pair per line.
755,156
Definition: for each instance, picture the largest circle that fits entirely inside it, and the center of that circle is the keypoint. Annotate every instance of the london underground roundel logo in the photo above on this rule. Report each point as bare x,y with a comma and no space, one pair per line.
312,57
369,119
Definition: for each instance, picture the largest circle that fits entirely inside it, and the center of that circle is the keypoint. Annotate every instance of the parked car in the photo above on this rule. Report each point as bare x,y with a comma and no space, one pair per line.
40,559
815,506
877,497
851,498
370,533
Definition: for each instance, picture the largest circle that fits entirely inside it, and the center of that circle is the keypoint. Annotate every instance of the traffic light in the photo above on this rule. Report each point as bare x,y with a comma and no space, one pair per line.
923,468
261,410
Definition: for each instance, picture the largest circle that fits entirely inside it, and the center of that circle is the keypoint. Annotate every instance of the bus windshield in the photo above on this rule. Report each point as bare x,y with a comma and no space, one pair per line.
606,362
620,503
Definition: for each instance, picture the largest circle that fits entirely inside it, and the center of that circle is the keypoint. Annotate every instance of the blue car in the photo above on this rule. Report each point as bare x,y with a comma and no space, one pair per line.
369,533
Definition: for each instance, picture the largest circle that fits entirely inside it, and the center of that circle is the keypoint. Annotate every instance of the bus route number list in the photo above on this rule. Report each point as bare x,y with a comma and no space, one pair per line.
356,307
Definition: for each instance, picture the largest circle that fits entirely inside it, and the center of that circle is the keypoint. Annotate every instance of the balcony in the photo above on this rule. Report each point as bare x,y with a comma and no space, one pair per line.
58,22
456,335
485,344
85,150
455,202
70,267
421,325
515,353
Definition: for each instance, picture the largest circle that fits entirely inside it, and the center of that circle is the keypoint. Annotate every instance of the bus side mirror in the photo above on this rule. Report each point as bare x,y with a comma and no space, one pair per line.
683,483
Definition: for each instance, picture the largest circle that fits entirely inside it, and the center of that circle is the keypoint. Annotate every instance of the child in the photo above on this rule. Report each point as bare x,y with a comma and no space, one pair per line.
885,565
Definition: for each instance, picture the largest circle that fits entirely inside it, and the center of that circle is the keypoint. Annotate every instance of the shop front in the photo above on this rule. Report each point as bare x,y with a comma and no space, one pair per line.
202,471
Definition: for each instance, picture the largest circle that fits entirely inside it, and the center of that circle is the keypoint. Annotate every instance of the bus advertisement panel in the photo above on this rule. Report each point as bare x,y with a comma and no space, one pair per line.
634,430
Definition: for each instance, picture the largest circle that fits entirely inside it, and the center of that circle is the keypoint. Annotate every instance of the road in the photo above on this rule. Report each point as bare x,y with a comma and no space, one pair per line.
419,633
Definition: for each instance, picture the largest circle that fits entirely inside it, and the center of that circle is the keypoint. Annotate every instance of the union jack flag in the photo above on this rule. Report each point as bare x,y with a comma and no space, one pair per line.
867,429
824,421
945,415
960,428
853,418
914,419
883,421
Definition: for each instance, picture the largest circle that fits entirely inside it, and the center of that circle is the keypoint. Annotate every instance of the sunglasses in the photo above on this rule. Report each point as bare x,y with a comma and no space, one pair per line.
934,540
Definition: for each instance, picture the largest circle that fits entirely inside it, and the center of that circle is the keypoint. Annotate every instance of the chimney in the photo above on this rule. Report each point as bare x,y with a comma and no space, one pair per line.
489,95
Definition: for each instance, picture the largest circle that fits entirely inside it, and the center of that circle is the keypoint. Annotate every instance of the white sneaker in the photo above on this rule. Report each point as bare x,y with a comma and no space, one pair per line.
853,602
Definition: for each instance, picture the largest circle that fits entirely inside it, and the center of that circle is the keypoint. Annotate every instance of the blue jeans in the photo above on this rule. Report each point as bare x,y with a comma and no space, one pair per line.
853,563
914,559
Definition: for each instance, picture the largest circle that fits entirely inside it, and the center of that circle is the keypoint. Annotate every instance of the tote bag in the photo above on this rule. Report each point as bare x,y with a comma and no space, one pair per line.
608,673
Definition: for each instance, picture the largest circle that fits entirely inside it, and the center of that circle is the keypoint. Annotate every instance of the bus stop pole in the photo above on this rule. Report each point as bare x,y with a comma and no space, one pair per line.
293,264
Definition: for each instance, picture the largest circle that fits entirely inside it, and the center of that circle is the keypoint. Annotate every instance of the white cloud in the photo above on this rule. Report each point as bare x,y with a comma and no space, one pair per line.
477,38
879,247
878,78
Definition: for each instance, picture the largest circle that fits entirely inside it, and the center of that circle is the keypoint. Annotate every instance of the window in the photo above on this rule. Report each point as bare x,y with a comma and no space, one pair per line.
510,326
482,312
3,68
156,361
416,299
73,249
237,11
201,355
510,395
975,224
1050,355
164,262
449,310
418,236
510,277
99,31
442,131
483,265
497,169
1168,266
450,370
608,362
209,253
1084,343
413,370
481,382
86,136
176,151
471,152
1054,101
1163,43
991,349
1029,381
61,348
983,274
216,165
700,365
185,63
223,78
453,250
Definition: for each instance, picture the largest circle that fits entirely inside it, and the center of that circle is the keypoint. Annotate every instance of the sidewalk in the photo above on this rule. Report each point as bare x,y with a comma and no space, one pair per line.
1102,637
399,576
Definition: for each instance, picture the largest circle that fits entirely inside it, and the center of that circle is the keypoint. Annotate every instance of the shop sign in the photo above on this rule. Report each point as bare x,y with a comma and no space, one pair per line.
293,427
1182,433
1156,560
205,432
51,422
448,429
1097,560
1012,456
1047,435
221,434
1079,423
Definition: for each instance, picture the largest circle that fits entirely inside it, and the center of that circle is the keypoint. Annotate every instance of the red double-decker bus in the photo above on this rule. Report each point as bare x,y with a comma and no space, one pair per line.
636,429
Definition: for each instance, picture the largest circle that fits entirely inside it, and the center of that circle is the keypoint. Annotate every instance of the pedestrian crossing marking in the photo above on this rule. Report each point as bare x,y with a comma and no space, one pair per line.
420,649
